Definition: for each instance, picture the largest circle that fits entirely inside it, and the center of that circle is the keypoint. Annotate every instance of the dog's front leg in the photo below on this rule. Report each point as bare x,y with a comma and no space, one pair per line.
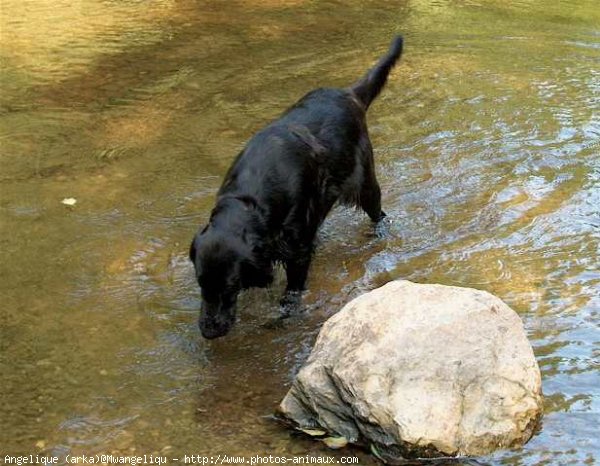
296,271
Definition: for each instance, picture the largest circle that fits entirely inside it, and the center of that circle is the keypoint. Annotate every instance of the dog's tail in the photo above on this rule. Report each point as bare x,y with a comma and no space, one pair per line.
370,85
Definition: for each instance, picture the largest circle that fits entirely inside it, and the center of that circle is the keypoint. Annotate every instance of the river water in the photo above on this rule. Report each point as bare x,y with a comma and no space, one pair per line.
487,146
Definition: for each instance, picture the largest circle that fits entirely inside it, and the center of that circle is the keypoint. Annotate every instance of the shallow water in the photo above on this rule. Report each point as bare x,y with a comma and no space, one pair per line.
487,143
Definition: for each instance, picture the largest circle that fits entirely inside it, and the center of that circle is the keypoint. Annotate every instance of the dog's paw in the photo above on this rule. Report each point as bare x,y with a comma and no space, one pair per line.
382,228
291,298
290,304
290,308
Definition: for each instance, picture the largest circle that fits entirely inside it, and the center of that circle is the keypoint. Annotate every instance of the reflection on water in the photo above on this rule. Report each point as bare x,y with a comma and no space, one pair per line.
487,147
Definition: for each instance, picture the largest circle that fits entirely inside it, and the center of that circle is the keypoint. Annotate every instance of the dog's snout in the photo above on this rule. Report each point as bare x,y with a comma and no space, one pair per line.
215,320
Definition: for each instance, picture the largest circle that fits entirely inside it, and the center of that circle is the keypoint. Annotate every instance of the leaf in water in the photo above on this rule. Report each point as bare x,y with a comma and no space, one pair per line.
69,201
335,442
376,452
313,432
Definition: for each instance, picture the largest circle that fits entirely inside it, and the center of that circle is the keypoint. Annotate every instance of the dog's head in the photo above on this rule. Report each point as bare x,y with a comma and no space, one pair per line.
224,266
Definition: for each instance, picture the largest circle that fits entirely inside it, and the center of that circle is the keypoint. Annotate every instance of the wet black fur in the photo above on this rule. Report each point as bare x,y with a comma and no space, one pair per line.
280,189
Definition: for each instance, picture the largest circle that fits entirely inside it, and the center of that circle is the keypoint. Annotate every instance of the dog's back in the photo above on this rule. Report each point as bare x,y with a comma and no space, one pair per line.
307,153
318,150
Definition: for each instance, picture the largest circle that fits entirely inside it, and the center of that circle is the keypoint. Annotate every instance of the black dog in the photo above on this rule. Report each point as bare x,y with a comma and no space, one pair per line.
280,189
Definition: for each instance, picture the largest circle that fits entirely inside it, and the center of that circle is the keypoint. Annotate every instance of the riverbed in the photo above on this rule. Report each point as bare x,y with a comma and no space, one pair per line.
487,148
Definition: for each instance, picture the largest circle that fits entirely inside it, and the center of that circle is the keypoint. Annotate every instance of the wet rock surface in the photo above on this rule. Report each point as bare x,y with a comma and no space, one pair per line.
416,370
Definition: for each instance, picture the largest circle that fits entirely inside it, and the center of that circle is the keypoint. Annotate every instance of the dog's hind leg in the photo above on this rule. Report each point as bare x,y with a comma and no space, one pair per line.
370,193
370,201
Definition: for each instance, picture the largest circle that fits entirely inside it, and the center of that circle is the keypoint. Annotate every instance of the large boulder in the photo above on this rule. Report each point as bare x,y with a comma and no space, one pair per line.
417,370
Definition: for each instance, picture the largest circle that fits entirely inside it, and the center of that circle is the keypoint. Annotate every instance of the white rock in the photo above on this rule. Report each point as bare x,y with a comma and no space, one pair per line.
421,370
70,201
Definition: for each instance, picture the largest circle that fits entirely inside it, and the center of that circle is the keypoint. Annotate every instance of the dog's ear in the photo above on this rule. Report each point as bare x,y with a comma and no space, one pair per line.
194,245
193,251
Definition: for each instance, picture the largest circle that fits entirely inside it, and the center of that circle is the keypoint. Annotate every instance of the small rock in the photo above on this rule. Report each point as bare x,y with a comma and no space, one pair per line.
70,201
313,432
335,442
